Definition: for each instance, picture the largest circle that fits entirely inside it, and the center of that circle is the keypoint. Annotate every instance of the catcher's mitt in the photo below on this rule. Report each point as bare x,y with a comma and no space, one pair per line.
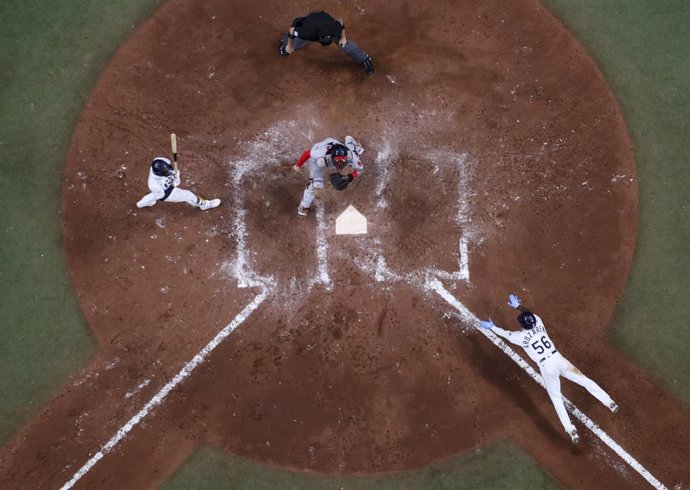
340,181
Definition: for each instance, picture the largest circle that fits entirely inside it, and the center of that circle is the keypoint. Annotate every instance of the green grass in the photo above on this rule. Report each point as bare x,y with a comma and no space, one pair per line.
51,55
501,466
643,49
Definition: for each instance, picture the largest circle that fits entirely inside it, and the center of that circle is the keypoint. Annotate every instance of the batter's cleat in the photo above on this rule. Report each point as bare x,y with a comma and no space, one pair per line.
613,407
205,204
302,211
368,66
574,436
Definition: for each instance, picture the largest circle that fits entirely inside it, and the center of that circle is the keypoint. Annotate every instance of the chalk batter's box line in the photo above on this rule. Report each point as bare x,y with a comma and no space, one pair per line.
577,413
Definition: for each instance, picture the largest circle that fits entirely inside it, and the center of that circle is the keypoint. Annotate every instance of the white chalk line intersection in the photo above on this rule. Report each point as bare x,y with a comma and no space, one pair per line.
160,396
435,285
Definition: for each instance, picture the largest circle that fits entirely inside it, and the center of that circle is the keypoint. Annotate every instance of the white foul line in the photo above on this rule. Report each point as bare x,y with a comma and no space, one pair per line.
158,398
435,285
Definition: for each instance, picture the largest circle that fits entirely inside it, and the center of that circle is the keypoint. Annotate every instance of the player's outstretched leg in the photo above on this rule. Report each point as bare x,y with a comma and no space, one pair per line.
183,195
358,55
147,201
552,383
575,375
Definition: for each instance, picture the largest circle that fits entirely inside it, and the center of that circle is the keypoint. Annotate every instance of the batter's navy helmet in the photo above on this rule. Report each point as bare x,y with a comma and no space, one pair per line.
161,167
527,320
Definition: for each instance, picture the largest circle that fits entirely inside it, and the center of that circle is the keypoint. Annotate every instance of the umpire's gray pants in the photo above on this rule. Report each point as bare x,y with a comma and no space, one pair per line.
351,49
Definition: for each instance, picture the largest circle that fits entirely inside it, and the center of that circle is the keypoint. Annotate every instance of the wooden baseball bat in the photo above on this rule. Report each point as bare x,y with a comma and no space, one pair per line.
173,143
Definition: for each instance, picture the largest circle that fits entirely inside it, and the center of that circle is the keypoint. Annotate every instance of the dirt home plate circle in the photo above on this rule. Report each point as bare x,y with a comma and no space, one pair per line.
496,160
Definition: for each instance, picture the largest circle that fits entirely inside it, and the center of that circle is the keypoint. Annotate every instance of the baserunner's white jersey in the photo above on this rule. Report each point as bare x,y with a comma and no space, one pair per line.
536,342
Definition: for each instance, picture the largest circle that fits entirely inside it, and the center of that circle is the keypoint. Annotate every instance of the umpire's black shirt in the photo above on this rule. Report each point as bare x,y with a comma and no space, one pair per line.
317,26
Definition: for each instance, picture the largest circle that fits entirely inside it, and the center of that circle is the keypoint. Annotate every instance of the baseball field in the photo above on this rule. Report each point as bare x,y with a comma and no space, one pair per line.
528,147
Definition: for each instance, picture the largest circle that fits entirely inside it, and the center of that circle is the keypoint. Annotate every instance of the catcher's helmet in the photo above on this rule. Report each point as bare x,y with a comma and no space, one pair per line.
161,167
338,153
527,320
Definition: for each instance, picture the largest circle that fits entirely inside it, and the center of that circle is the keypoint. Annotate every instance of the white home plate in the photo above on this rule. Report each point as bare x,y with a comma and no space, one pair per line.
351,222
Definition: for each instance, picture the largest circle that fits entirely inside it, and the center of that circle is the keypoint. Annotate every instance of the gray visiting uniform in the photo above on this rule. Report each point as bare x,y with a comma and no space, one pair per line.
319,161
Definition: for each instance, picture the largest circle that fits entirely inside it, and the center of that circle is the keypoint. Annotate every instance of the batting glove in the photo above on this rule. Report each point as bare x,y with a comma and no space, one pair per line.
295,168
513,301
486,324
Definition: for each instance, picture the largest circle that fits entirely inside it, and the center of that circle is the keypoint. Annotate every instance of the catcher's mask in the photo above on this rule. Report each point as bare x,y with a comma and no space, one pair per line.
161,167
527,320
338,153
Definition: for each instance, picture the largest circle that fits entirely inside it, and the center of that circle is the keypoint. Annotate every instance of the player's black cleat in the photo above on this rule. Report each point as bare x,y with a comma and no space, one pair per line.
283,44
368,66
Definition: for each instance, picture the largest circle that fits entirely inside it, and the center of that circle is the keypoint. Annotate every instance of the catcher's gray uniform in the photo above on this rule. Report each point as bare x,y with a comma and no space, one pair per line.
327,154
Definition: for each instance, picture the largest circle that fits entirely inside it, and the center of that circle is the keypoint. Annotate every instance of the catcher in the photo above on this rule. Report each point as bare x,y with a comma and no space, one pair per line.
332,154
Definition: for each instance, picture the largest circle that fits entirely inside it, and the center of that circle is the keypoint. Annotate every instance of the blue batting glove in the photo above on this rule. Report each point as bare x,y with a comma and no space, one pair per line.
513,301
486,324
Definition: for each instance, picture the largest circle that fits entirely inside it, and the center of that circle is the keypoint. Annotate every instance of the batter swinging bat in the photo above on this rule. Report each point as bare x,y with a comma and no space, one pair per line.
173,143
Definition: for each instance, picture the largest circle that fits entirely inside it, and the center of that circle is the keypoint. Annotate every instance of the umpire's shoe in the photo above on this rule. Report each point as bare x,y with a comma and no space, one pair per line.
368,66
283,44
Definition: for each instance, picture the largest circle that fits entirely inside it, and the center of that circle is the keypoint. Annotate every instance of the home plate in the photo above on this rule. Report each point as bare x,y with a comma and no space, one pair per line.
351,222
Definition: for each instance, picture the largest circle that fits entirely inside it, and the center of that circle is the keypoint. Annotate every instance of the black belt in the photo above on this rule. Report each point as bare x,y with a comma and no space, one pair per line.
167,192
545,358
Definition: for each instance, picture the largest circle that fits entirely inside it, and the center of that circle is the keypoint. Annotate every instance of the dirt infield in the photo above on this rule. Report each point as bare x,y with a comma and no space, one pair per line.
496,160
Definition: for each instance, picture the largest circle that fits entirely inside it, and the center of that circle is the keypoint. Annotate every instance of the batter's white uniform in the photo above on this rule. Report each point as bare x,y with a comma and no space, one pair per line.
541,349
165,189
319,161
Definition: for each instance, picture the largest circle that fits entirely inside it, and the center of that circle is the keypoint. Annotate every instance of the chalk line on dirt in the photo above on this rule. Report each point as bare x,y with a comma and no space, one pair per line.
381,271
240,268
322,247
436,286
160,396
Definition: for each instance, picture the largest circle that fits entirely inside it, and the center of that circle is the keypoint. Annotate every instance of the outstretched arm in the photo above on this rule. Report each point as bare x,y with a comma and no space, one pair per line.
305,156
514,302
506,334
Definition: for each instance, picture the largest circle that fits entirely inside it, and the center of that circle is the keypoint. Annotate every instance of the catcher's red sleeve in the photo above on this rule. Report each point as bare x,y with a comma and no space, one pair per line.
305,156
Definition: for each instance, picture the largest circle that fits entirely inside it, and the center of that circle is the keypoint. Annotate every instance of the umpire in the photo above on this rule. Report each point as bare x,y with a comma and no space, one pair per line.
324,29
